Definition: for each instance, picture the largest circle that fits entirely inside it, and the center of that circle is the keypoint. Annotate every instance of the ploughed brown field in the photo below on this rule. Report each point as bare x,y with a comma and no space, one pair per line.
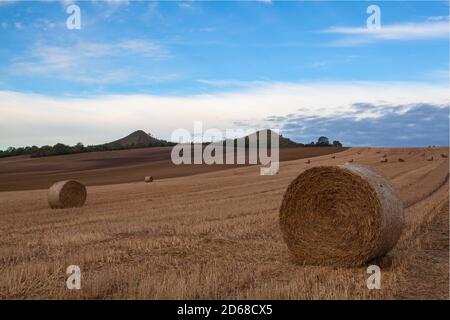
111,167
206,236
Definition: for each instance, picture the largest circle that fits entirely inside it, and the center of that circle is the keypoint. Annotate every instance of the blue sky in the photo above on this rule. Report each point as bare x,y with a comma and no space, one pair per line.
303,67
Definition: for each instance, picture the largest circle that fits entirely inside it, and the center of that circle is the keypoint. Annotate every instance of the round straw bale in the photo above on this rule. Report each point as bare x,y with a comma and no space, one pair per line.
67,194
430,158
443,155
384,160
401,160
333,157
340,215
148,179
308,161
351,160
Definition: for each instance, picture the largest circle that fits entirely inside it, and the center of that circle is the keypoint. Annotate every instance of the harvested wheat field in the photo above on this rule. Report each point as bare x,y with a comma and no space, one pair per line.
110,167
217,235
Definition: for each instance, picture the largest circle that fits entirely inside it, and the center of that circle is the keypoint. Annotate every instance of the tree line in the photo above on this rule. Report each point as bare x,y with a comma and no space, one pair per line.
61,149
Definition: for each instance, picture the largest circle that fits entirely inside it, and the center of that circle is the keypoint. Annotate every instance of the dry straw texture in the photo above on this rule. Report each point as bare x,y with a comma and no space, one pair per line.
340,216
149,179
67,194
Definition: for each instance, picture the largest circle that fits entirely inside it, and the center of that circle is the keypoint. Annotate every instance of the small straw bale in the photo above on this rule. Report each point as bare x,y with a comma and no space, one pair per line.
342,215
351,160
430,158
384,160
443,155
67,194
333,157
308,161
148,179
401,160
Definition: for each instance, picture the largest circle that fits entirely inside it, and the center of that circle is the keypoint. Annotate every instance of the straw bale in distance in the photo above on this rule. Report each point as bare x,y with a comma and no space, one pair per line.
401,160
384,160
443,155
430,158
148,179
67,194
340,215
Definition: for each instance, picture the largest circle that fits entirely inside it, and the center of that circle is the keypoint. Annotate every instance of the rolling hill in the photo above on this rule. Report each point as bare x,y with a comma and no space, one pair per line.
137,139
283,142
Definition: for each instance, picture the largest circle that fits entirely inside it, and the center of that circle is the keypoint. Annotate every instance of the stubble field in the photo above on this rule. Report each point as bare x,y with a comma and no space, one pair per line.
215,235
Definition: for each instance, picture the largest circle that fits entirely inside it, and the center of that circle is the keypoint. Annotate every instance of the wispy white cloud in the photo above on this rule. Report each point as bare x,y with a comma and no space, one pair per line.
186,5
66,3
429,30
113,3
109,7
98,119
76,62
222,83
326,63
439,74
7,2
439,18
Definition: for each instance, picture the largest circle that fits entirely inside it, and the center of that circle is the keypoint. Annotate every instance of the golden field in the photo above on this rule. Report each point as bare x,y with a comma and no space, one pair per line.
215,235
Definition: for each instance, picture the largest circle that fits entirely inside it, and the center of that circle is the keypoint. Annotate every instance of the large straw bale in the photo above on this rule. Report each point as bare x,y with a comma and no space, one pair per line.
340,215
67,194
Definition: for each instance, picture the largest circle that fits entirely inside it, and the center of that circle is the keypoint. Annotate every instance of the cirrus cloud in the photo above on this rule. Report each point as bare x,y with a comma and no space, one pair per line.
85,61
428,30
